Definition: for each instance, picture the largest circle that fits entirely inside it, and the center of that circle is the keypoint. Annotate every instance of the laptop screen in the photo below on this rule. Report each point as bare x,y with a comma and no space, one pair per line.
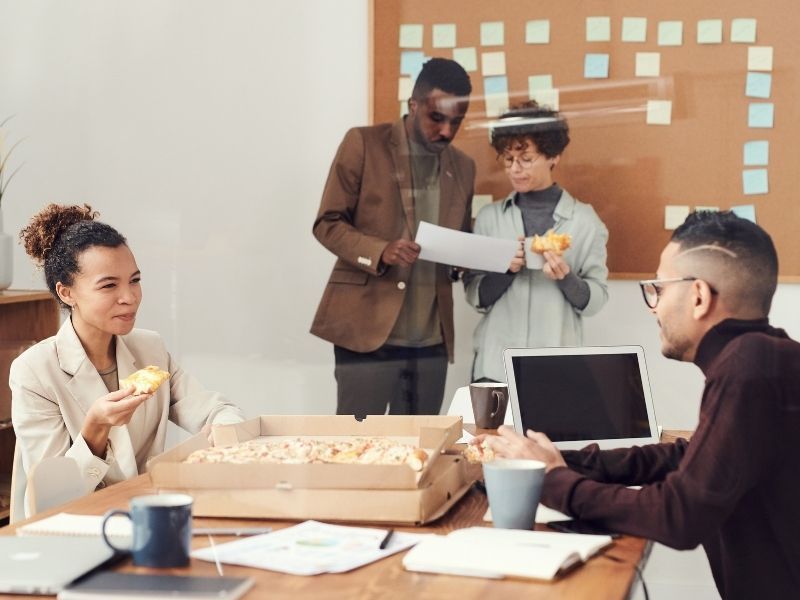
582,395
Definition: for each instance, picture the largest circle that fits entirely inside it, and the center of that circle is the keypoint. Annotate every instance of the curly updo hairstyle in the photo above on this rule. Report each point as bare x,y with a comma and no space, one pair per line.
58,235
545,127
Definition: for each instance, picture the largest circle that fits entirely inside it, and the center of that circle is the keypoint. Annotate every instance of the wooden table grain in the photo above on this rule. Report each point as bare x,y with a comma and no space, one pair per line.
608,576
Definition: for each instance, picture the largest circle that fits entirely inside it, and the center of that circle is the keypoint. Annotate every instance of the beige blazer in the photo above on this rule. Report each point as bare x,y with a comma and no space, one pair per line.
367,203
53,384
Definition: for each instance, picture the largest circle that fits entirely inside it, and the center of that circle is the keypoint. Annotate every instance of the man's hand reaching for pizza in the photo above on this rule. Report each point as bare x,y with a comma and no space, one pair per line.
535,445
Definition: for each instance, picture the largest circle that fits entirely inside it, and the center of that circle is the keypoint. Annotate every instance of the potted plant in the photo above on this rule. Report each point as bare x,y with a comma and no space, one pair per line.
6,244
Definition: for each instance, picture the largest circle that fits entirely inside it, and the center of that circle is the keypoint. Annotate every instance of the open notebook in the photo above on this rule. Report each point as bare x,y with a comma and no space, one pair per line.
499,553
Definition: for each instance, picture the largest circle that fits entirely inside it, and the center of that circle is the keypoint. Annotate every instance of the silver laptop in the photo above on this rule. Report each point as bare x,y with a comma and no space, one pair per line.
579,396
47,564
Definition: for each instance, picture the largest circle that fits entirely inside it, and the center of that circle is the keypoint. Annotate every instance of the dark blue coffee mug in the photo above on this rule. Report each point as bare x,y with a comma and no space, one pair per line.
162,530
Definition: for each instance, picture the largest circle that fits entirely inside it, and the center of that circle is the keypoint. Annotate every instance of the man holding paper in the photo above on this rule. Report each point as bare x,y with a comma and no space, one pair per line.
389,316
734,487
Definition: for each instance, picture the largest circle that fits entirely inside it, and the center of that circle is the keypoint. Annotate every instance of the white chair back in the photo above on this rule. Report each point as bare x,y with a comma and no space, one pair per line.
53,481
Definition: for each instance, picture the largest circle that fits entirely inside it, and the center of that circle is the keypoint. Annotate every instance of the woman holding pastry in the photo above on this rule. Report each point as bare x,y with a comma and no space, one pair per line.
99,391
536,304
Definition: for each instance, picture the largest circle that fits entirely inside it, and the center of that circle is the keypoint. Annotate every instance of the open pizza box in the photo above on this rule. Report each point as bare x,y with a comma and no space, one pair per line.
343,492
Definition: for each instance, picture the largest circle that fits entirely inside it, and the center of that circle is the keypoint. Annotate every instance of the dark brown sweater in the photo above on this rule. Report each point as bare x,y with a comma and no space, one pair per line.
735,488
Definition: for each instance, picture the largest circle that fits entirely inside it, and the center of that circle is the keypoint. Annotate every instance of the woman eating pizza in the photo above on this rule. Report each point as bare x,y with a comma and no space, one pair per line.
66,392
544,306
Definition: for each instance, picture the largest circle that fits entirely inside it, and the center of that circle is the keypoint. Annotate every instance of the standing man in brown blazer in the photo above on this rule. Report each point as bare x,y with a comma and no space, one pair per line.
390,316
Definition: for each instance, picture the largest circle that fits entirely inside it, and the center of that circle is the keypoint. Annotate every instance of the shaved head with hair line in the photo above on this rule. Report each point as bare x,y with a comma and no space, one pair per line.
735,256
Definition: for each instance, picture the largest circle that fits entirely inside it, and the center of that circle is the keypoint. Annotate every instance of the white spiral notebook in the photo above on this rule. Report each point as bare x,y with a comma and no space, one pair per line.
80,525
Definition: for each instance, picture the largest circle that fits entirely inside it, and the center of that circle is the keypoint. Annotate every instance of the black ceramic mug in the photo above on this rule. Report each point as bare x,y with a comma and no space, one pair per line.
162,530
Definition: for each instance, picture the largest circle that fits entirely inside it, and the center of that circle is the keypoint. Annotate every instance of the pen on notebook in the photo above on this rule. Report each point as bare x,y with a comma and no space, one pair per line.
230,530
386,539
216,558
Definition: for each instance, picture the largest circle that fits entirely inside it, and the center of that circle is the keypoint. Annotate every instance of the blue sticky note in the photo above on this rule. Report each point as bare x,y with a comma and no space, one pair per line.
758,85
495,85
754,181
760,114
756,153
411,62
745,211
595,66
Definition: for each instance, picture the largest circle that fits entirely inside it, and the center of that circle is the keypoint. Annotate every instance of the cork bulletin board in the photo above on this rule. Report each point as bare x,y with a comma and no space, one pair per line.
632,172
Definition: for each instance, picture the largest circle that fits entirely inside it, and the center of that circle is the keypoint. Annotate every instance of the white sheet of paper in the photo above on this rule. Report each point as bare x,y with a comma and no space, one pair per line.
459,249
310,548
492,33
546,98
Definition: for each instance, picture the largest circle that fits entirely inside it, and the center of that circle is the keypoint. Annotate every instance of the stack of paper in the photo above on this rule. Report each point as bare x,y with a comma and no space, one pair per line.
310,548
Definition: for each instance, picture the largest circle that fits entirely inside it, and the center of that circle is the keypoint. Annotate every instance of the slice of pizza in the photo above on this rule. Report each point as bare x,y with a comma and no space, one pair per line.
146,381
479,453
551,242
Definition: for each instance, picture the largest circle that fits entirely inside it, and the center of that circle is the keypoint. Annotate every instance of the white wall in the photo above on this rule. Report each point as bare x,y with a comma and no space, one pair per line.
204,130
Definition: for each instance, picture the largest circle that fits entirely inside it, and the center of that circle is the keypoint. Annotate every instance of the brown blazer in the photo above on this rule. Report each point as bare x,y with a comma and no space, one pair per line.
367,203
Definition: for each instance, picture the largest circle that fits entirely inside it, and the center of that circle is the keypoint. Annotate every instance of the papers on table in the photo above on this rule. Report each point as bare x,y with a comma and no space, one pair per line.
468,250
310,548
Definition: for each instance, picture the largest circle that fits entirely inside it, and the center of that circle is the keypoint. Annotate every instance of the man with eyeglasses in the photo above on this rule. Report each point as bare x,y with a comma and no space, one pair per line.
390,316
535,307
735,487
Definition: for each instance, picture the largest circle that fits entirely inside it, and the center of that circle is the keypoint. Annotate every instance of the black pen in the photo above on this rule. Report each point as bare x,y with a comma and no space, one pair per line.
385,540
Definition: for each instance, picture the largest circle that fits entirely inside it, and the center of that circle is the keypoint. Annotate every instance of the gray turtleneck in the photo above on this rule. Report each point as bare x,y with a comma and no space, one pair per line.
537,209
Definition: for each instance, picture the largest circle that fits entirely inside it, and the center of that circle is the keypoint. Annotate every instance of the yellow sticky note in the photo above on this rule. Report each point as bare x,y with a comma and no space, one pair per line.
411,35
404,87
493,63
759,58
492,33
467,58
659,112
670,33
743,31
444,35
648,64
598,29
479,201
537,32
674,216
634,29
709,31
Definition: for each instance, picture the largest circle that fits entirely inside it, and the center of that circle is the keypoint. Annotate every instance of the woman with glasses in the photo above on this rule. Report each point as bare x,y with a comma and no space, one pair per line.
535,307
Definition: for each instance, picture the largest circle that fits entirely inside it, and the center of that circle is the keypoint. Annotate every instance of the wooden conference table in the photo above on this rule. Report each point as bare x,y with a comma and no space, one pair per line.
610,575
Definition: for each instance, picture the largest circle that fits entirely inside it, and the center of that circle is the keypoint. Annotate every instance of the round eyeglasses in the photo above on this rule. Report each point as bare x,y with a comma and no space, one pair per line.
652,288
525,161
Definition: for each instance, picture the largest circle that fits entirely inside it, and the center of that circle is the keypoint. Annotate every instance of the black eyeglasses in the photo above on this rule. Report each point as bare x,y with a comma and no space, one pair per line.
651,288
